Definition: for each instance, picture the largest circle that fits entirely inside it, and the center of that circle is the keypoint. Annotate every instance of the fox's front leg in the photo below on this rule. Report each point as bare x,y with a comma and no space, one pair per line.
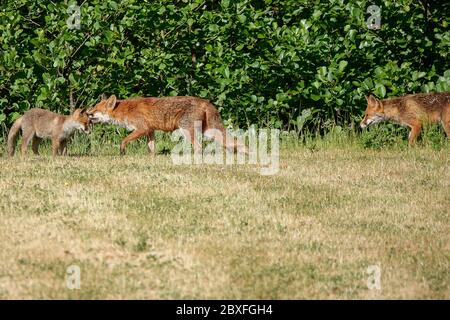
63,148
56,144
151,142
414,133
132,136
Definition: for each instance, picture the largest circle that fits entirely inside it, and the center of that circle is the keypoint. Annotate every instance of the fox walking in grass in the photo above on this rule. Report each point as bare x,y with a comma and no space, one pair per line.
37,124
412,110
143,116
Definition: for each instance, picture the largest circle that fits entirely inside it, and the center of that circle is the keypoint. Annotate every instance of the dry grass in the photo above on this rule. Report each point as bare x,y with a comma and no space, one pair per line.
145,228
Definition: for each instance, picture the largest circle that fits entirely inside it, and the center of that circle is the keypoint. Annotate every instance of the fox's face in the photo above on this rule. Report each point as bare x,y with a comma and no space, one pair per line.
101,112
374,112
81,118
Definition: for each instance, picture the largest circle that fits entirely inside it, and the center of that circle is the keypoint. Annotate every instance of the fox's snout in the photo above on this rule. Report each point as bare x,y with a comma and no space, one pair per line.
372,119
94,120
363,123
99,116
92,117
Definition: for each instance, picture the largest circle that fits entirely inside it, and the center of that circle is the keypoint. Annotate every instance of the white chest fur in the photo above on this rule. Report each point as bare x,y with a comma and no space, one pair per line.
69,127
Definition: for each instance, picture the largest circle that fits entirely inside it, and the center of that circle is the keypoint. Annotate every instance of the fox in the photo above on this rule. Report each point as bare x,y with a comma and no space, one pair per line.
144,115
413,110
37,124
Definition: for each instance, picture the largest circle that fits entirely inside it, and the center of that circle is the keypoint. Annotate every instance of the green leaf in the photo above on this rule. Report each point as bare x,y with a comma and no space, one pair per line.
226,72
242,18
380,90
342,65
213,28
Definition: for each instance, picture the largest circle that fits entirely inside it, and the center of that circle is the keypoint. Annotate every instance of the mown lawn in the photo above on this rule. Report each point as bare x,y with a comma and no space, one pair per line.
142,227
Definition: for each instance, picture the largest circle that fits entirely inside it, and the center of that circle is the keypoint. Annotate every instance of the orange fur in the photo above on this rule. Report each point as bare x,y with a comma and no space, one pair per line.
412,110
144,115
37,124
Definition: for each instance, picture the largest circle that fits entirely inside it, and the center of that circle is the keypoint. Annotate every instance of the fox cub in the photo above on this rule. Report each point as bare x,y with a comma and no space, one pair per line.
37,124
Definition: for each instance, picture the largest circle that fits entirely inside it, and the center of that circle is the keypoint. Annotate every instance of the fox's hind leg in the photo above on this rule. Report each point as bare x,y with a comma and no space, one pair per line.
35,145
27,135
193,126
445,120
446,125
192,129
194,141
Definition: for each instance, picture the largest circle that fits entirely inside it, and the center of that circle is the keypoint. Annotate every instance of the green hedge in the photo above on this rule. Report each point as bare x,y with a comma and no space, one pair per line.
279,63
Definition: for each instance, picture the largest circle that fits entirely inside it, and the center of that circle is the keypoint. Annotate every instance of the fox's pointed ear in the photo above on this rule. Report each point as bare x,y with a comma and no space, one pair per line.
77,112
111,102
372,99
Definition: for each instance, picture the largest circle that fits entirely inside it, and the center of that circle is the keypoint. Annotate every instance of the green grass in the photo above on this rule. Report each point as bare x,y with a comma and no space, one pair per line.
142,227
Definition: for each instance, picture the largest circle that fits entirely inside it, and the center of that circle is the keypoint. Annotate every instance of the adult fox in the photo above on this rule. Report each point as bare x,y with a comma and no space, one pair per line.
412,110
37,124
144,115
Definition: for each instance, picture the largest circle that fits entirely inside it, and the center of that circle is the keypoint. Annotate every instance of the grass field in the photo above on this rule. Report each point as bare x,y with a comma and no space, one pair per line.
142,227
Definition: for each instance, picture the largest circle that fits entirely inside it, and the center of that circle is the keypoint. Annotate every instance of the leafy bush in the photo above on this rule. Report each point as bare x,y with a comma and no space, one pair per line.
434,136
390,134
290,64
384,135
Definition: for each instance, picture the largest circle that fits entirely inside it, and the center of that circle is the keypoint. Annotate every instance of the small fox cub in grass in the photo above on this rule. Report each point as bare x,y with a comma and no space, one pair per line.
37,124
412,110
143,116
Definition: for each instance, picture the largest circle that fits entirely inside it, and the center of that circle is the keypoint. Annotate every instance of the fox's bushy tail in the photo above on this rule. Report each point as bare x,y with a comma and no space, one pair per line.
214,121
13,136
